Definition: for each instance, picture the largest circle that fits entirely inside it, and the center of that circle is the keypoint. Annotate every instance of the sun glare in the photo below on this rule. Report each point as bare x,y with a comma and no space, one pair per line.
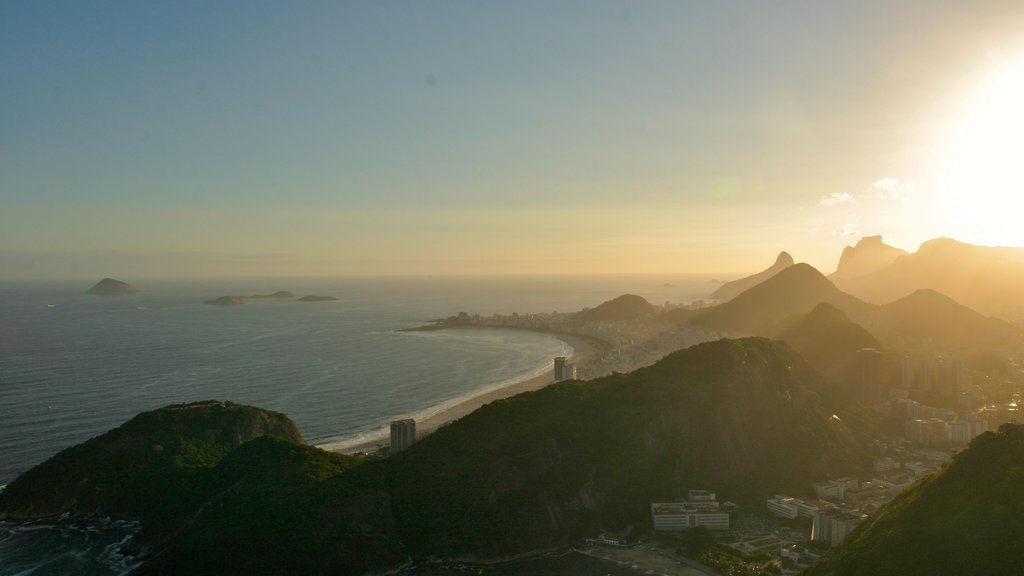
982,175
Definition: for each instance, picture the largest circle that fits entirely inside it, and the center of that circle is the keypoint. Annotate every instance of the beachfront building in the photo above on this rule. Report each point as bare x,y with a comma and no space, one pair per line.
564,370
702,509
403,434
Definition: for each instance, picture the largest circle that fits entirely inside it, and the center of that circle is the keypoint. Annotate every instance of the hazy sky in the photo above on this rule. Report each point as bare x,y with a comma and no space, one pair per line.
256,138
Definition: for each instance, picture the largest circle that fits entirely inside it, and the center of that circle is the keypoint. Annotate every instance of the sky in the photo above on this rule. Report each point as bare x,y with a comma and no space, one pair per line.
571,137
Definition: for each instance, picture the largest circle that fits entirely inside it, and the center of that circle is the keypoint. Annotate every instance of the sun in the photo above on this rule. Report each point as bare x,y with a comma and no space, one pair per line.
981,174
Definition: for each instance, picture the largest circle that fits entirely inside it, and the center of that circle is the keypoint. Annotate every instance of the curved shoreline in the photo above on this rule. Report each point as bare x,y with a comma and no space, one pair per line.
584,349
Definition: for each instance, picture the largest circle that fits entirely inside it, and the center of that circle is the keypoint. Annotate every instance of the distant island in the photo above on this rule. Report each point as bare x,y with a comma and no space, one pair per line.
278,294
227,301
111,287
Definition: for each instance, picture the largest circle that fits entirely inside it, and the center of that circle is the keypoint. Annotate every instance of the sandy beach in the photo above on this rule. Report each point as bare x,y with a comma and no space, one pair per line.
584,349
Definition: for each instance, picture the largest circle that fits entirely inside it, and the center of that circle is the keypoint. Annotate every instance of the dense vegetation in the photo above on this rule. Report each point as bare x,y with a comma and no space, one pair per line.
743,417
156,466
966,519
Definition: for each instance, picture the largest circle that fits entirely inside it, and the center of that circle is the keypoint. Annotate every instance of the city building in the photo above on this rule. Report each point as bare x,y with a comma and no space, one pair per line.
403,434
907,373
834,490
783,506
702,509
559,367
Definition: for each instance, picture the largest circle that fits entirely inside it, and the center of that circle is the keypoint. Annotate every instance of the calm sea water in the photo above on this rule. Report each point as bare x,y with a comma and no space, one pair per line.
73,366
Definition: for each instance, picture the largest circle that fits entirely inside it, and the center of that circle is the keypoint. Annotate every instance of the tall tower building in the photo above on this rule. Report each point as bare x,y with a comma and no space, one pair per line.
869,362
924,375
906,373
403,434
559,368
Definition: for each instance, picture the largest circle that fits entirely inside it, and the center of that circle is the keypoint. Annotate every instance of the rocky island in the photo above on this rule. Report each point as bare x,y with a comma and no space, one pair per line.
227,301
111,287
278,294
314,298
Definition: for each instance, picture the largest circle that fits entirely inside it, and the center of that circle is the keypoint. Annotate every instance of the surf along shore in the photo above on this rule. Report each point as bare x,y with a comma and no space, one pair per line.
584,350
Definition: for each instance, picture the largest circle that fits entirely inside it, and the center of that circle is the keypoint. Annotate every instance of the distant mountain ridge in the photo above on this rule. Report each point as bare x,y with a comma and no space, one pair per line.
730,290
987,279
923,318
869,256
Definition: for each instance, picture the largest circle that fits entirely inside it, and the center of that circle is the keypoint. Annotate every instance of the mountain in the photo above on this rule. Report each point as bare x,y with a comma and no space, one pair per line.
987,279
868,256
625,307
829,341
111,287
148,467
966,519
540,469
730,290
927,319
759,310
925,322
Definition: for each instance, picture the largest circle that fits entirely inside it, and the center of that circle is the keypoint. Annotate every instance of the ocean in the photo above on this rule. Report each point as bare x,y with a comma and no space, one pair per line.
73,366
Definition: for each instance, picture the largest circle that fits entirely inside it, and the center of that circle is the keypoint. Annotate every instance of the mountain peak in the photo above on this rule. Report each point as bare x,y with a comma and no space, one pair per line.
868,256
730,290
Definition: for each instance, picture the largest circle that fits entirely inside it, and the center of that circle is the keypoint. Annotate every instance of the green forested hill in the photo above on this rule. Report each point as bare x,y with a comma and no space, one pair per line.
966,519
742,417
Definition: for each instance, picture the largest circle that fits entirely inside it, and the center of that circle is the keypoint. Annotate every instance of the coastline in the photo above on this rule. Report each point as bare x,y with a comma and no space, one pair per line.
584,350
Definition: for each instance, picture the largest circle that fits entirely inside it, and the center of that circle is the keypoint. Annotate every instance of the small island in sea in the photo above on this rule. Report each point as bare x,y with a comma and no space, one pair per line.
278,294
227,301
315,298
111,287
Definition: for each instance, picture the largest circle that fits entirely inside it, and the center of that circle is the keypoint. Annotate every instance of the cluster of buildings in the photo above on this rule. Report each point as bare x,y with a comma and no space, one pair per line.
830,522
839,505
701,508
936,426
942,376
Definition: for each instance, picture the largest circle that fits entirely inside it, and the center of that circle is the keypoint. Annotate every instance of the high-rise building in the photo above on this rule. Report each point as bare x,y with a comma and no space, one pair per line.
559,368
907,373
869,362
403,434
924,375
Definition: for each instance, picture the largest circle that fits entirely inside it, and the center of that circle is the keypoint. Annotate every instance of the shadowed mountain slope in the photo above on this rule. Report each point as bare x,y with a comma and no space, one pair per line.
828,340
542,468
536,470
930,320
730,290
965,519
759,310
